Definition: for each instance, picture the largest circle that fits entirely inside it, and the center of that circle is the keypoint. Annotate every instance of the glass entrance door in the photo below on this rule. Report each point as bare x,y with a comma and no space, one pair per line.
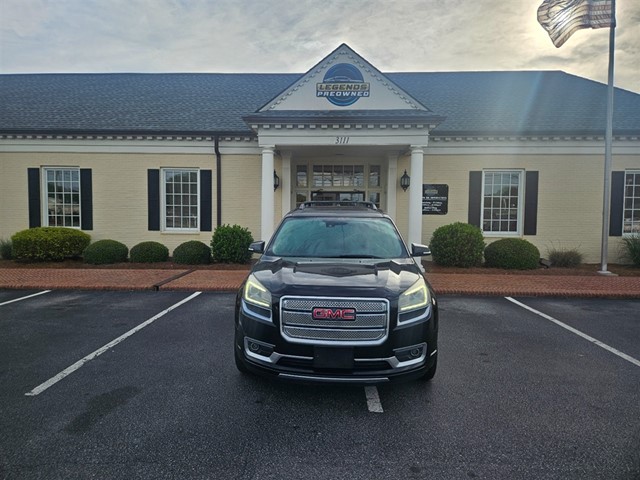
338,196
348,182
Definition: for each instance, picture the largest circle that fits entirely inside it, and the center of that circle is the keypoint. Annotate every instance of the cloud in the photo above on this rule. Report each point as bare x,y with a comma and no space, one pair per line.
293,35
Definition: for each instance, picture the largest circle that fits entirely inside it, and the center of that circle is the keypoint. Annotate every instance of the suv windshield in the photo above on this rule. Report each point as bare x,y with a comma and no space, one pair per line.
337,237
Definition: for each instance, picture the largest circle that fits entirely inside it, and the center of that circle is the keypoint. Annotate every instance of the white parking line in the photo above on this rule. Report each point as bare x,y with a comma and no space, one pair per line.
24,298
578,332
69,370
373,399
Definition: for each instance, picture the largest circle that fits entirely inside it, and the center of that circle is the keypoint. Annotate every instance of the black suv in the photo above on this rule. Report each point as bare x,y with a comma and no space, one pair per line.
337,297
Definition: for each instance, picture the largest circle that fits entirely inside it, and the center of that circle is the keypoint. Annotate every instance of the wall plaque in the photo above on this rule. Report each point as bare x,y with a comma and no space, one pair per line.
435,199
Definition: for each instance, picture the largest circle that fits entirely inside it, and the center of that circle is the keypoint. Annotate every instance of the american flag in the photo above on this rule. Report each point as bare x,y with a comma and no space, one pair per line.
561,18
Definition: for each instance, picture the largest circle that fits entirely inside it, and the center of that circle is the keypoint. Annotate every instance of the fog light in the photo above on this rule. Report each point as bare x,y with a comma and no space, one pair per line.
254,347
410,353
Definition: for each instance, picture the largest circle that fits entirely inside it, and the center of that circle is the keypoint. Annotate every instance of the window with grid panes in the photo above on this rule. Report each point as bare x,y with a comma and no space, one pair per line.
502,199
181,194
631,218
62,196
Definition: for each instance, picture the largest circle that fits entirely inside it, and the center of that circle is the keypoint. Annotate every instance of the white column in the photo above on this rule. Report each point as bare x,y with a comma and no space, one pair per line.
285,183
392,184
267,197
415,194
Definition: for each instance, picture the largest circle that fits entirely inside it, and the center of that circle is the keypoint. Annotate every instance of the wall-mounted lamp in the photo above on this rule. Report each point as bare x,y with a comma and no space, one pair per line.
276,181
405,181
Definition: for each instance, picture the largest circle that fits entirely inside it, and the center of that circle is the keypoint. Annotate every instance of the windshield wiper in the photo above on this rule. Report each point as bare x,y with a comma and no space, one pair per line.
357,256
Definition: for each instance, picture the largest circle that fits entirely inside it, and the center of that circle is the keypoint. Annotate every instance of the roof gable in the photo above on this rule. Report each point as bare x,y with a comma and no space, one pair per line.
343,80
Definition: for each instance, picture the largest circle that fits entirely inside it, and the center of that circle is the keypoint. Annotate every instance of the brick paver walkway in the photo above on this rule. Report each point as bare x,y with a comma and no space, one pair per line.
230,280
536,285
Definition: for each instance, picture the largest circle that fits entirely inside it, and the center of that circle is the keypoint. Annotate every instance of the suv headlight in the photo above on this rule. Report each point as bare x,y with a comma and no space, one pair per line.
256,294
414,298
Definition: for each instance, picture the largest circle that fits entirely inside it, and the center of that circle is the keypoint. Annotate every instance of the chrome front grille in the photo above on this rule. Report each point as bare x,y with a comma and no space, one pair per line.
362,305
370,326
375,320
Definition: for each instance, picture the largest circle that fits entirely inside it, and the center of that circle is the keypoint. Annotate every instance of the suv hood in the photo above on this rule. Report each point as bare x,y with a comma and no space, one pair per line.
336,277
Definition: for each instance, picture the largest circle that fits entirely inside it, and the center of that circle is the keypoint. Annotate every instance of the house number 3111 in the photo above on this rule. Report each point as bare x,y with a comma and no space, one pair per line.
342,140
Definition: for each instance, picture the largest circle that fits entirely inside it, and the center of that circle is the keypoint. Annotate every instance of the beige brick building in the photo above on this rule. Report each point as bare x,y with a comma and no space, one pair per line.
168,157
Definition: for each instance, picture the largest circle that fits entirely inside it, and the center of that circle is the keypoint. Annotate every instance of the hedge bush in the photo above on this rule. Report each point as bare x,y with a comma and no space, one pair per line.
512,254
149,252
6,249
44,244
105,252
457,245
565,258
230,244
631,248
192,253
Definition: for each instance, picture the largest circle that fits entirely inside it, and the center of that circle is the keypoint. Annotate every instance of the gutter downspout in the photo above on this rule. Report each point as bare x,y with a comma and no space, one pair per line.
218,181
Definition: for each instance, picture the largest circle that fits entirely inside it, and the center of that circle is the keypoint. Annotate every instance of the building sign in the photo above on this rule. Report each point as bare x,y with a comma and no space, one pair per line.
435,199
343,85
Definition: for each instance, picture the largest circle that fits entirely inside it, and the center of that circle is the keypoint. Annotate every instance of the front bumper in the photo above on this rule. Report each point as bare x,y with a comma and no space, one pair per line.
408,352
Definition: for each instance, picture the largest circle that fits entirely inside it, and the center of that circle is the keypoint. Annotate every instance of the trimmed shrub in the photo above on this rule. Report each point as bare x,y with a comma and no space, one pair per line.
5,249
631,248
44,244
457,245
512,254
104,252
192,253
565,258
149,252
230,244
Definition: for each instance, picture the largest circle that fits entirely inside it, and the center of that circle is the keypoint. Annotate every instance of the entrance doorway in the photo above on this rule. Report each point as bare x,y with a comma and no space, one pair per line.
323,196
333,182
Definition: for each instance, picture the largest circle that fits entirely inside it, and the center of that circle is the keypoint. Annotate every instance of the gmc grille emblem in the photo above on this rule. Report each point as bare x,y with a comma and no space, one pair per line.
320,313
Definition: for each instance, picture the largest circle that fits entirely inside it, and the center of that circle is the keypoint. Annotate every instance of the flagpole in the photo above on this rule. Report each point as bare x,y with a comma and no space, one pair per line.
608,141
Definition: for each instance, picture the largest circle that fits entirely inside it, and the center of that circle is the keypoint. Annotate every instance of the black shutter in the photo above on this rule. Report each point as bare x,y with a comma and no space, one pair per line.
153,199
475,198
205,200
33,181
531,203
617,204
86,199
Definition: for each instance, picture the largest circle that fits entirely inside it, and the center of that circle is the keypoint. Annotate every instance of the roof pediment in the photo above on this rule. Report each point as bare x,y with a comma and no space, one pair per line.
343,81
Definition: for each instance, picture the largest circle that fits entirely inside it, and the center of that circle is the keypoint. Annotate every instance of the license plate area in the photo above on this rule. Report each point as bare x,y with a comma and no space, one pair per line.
331,357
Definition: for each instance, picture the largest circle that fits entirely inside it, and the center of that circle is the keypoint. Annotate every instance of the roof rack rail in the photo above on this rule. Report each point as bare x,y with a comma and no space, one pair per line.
337,203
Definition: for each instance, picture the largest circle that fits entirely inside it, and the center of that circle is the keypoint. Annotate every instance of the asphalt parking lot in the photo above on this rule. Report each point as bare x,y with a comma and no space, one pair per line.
526,388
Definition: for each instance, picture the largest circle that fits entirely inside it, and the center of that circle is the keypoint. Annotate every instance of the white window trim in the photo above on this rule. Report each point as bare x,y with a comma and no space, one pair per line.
624,201
521,198
44,196
163,201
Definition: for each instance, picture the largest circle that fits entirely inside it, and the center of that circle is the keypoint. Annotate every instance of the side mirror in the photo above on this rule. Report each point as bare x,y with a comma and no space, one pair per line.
257,247
418,250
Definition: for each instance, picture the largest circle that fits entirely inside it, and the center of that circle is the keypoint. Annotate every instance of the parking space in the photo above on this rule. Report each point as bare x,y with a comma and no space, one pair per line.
515,396
610,321
43,335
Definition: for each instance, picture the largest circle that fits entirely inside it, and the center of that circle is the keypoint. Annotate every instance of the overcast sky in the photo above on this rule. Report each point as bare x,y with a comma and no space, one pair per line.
283,36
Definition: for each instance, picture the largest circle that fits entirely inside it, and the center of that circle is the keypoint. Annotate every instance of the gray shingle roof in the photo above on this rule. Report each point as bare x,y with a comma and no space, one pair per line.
521,102
474,103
